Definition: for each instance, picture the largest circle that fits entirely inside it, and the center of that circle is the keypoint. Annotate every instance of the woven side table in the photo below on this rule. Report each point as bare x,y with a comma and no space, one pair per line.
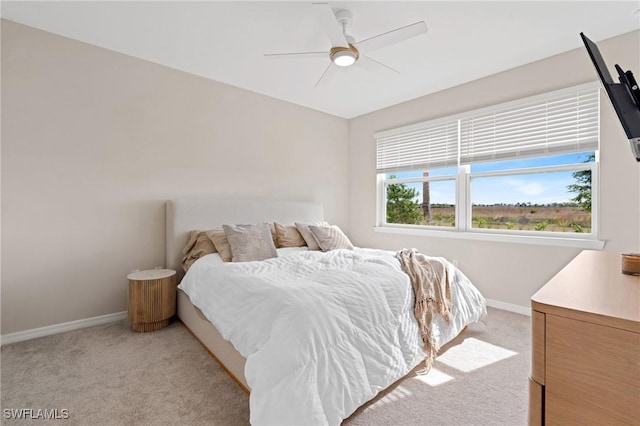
152,298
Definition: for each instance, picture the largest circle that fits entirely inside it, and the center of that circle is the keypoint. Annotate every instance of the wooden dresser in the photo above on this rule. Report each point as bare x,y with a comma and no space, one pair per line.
585,367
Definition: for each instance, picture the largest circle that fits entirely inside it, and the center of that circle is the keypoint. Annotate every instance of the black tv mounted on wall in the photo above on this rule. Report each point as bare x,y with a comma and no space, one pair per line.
625,96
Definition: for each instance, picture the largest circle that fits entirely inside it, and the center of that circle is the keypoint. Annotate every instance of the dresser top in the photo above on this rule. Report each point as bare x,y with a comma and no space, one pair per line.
593,287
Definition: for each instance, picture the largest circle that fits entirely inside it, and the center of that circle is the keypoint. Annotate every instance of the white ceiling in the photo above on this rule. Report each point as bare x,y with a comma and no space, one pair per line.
226,41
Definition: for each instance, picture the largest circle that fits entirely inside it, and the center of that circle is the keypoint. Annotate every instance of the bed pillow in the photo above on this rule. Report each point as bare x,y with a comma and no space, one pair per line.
288,236
198,245
330,238
274,237
303,228
219,240
250,242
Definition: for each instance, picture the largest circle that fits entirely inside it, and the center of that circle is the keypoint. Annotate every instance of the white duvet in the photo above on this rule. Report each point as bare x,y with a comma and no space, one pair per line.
322,333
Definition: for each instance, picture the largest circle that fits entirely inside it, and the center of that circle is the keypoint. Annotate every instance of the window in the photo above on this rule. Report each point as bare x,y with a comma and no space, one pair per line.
524,168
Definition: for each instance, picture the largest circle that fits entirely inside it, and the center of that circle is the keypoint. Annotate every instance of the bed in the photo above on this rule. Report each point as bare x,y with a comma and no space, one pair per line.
330,390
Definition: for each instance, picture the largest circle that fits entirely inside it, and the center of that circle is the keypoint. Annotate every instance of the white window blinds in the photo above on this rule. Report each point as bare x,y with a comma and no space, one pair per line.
556,123
418,147
560,122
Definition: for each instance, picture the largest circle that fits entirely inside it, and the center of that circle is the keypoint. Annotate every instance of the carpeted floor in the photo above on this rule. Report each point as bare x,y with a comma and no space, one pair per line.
110,375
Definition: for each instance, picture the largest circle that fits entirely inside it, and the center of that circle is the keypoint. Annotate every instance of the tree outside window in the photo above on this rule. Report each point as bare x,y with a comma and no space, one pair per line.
402,204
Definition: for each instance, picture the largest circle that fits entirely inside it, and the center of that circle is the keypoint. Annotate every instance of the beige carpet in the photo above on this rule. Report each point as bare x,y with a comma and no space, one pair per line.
110,375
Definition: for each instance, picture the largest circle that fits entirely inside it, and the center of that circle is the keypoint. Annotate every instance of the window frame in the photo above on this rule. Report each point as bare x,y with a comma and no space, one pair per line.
383,193
463,228
593,166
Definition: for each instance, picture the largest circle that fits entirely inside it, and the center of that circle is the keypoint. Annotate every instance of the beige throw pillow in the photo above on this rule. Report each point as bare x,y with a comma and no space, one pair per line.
250,242
288,236
198,245
219,240
303,228
272,228
330,238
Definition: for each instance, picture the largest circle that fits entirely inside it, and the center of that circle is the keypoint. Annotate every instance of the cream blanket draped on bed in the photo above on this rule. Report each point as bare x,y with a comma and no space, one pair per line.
430,281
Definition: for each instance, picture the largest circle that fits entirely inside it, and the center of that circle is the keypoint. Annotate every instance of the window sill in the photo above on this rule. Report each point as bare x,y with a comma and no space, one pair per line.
496,237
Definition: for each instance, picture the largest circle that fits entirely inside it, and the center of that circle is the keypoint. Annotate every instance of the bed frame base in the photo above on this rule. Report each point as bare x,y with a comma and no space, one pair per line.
198,325
208,212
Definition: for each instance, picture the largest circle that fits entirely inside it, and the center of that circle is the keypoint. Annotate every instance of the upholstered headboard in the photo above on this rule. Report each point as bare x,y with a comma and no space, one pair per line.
186,214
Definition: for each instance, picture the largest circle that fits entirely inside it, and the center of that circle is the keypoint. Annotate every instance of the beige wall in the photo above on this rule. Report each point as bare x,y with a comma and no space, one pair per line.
505,272
94,141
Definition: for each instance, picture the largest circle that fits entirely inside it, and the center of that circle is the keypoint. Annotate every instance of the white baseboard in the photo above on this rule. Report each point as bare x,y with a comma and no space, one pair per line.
20,336
105,319
524,310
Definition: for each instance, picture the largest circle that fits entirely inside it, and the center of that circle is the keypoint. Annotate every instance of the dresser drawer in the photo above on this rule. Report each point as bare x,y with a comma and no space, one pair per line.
537,346
592,373
535,403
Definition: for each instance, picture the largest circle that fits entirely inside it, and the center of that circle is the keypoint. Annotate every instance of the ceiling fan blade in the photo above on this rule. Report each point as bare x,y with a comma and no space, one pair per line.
372,65
330,25
297,55
391,37
327,75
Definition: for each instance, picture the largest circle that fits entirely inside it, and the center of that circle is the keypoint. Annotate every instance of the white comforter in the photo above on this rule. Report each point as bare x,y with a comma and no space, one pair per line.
322,332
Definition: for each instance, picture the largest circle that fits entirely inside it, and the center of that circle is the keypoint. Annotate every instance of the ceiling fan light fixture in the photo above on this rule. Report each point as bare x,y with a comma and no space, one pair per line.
344,59
344,56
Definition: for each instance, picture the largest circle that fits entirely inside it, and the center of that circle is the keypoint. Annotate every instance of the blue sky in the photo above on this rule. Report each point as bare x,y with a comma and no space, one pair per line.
541,188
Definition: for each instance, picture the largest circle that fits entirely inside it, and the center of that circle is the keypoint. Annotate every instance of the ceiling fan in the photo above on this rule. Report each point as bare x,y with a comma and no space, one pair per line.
345,51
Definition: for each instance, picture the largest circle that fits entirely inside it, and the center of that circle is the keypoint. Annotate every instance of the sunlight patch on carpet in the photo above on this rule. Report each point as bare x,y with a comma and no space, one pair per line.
395,395
434,378
473,354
